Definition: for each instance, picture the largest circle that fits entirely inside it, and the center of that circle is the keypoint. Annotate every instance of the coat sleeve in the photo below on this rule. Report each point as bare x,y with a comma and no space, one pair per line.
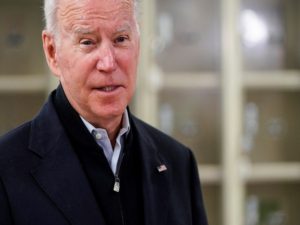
5,213
198,209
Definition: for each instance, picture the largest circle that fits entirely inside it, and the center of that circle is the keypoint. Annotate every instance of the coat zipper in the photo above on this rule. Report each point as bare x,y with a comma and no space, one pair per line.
117,186
117,179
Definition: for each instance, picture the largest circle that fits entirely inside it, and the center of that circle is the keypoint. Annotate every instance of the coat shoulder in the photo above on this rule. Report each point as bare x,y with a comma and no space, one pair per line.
15,137
13,143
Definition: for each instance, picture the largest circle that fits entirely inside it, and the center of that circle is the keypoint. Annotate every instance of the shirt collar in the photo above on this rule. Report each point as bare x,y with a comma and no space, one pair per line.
124,129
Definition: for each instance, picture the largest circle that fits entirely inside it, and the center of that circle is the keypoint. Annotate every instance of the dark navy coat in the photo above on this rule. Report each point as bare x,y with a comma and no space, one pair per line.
42,181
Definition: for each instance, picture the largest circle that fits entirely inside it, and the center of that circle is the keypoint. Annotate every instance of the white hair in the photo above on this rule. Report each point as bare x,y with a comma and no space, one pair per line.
50,14
50,11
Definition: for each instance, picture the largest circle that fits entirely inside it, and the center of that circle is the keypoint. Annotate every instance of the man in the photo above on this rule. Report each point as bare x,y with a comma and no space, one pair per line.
85,160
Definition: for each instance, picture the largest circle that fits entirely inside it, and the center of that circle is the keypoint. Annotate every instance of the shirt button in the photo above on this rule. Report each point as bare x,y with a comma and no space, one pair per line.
98,136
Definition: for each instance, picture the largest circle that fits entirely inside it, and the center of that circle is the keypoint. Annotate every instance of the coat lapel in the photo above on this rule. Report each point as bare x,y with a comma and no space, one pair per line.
155,178
59,174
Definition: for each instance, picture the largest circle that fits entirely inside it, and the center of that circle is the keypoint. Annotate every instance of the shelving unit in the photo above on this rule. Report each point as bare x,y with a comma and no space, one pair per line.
223,77
235,104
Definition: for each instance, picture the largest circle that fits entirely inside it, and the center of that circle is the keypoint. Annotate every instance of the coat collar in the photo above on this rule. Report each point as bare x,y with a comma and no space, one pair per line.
155,176
59,174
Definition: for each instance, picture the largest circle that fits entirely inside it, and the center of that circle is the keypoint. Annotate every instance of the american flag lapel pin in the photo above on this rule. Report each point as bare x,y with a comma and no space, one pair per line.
162,168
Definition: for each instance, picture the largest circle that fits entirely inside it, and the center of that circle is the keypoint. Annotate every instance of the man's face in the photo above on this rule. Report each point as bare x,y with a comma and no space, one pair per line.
95,55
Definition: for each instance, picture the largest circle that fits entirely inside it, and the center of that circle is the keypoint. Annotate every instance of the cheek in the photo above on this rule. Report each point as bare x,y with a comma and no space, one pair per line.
128,61
75,69
63,61
130,74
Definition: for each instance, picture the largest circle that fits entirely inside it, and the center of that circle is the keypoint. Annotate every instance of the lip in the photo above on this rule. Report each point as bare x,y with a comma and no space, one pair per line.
108,89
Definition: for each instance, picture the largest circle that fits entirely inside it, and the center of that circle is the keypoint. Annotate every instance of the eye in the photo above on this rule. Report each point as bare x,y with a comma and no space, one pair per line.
86,42
121,39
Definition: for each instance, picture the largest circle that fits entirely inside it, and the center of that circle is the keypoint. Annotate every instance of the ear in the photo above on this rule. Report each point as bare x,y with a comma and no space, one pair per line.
49,47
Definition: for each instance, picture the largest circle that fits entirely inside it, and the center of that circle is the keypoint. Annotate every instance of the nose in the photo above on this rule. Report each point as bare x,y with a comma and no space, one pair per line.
107,59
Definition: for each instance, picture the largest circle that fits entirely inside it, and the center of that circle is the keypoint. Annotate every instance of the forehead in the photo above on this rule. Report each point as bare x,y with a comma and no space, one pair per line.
84,12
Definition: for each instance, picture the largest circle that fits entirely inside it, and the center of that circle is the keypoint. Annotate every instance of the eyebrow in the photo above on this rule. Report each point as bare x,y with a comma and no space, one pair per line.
125,27
83,31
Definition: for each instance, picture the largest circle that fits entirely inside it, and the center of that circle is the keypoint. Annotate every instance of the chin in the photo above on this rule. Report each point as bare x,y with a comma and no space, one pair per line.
109,111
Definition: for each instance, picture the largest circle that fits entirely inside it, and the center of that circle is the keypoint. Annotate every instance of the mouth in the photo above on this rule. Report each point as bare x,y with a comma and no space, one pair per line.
108,89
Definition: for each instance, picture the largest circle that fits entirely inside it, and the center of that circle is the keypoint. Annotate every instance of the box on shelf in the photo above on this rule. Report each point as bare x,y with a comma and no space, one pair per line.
213,204
20,39
270,34
188,35
18,108
272,125
194,118
269,204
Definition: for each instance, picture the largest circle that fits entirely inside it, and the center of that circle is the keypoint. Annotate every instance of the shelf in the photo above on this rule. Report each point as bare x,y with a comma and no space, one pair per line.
271,126
273,203
21,83
191,80
272,172
254,173
193,117
210,174
277,80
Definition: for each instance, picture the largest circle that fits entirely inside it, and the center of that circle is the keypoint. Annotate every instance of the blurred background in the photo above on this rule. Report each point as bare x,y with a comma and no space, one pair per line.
221,76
